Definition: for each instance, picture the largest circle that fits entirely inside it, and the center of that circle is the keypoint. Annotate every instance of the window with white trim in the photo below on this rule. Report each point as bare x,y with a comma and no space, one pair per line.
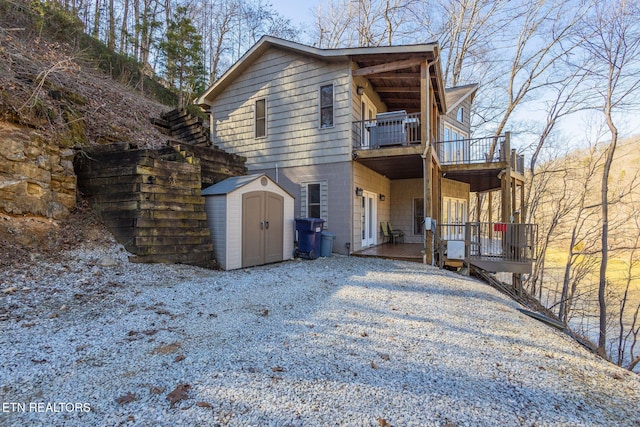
455,147
314,200
454,216
326,106
260,115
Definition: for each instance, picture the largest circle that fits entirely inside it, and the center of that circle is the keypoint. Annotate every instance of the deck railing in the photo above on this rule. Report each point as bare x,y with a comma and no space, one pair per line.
395,128
472,150
501,241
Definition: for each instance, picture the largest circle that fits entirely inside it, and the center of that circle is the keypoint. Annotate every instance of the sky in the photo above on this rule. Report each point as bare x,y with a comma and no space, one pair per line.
299,11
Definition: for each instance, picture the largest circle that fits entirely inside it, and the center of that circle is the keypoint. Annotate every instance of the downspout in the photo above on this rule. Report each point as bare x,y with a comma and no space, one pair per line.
427,146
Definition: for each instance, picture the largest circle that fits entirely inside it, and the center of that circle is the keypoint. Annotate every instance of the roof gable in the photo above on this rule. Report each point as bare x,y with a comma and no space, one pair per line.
406,57
456,95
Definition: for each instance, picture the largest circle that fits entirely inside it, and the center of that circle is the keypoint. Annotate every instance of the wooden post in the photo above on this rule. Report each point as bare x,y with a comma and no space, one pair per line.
428,203
506,181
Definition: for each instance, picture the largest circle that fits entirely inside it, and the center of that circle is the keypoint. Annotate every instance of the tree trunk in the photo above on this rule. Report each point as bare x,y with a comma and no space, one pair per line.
602,286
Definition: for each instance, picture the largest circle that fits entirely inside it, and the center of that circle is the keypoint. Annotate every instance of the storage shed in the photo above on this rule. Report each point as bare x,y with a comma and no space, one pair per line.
251,219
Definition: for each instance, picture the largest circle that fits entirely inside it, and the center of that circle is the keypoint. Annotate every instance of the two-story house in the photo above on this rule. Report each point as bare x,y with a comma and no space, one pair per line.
361,137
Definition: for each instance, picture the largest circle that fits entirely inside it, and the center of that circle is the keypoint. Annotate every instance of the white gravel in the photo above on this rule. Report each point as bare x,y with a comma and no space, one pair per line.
335,341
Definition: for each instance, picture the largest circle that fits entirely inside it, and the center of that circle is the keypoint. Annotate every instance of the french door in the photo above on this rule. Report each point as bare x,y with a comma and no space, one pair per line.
369,219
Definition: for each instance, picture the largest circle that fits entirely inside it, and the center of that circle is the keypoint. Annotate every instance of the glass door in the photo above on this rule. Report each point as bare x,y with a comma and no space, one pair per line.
369,219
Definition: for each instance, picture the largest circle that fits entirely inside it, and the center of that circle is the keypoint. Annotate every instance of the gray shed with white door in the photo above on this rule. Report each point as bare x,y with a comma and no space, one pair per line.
251,219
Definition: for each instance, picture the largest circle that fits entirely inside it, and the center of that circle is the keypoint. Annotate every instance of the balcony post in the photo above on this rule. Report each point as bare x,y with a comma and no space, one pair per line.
506,180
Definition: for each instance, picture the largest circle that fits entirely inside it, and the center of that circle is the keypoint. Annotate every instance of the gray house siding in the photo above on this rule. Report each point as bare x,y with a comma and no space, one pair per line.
290,84
451,118
340,192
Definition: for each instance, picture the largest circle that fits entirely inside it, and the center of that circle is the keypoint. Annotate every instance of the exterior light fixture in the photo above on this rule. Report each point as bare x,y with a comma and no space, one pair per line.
382,197
358,191
360,90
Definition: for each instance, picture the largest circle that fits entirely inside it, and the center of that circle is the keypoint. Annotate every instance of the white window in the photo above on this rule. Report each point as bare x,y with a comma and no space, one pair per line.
314,200
454,217
326,106
456,148
260,115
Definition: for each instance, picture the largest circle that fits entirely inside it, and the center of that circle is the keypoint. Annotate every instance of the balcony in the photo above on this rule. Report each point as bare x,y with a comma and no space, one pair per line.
494,247
390,144
391,129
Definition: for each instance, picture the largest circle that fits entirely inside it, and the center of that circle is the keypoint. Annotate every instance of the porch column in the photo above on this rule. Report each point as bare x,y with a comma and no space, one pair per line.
428,205
427,169
506,181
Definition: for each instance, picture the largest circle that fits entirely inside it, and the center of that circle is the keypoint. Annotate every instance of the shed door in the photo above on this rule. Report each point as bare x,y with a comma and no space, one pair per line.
262,228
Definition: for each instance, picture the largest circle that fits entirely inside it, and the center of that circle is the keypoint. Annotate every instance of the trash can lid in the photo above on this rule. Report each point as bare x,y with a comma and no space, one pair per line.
328,234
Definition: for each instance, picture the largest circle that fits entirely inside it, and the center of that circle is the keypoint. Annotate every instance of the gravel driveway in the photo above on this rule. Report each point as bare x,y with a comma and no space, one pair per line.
94,340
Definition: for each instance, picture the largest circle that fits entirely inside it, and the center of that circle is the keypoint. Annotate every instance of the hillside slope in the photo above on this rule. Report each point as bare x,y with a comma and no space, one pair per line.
55,99
52,86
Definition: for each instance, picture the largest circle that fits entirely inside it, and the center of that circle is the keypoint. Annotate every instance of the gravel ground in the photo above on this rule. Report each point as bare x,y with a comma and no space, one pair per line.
95,340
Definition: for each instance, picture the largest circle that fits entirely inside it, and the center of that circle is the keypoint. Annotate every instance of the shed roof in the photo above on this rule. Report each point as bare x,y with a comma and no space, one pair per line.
233,183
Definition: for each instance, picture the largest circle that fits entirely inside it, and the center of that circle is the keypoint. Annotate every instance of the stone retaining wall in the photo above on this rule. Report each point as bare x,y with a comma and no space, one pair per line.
36,174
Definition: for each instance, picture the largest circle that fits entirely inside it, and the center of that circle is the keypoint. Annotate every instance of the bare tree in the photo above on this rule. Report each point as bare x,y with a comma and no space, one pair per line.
613,45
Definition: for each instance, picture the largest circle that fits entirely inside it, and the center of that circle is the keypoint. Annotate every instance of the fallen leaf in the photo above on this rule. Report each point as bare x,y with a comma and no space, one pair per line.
373,365
39,361
364,334
179,358
180,393
27,325
264,313
127,398
385,356
166,349
157,390
383,423
277,369
203,405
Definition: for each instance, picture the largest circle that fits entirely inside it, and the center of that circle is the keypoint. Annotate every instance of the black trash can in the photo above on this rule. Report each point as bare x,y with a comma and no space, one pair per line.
309,237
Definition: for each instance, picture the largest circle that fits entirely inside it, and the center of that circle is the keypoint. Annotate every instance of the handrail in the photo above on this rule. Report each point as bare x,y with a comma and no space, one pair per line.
472,150
493,240
395,129
506,241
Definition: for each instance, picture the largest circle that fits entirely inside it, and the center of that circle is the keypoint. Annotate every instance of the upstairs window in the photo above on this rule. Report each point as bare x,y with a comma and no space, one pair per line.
261,118
460,115
326,106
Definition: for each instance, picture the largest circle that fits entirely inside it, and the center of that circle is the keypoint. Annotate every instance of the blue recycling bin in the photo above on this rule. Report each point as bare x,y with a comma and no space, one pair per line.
309,237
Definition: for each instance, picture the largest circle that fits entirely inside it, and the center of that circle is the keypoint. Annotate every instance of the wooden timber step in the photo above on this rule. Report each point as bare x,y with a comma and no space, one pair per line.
150,200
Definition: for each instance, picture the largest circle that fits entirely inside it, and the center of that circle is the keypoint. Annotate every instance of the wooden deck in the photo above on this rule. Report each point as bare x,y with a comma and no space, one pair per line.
399,251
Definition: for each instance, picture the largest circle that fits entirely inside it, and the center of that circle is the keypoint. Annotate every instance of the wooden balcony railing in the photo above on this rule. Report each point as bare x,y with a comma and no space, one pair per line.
501,241
396,128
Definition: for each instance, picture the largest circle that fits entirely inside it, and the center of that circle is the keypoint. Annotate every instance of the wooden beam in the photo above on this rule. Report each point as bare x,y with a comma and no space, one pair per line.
403,89
390,66
395,76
